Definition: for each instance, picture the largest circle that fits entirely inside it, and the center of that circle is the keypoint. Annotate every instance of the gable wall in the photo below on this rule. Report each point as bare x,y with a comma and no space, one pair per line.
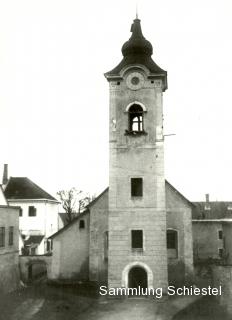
98,263
179,217
70,257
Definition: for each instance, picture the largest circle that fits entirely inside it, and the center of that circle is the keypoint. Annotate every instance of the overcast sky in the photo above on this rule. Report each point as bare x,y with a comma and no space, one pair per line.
54,97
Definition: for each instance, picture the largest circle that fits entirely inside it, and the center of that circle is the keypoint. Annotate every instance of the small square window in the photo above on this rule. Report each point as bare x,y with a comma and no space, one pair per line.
136,187
82,224
220,234
31,211
137,239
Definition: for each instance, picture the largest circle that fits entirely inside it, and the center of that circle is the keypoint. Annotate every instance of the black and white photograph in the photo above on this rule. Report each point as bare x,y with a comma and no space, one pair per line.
115,160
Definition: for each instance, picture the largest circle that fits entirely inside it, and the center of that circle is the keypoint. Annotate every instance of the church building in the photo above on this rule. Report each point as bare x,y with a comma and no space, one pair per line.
138,232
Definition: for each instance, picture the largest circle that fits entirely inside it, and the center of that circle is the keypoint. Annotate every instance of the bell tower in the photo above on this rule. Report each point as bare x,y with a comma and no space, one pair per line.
137,253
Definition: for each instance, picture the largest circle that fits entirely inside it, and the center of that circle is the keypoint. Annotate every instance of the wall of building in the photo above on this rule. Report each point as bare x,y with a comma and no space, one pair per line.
44,223
39,264
46,219
98,260
227,239
179,218
206,242
70,256
9,271
222,276
137,156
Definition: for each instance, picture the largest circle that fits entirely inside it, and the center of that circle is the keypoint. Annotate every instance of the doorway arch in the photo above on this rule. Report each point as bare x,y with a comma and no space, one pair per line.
145,267
137,277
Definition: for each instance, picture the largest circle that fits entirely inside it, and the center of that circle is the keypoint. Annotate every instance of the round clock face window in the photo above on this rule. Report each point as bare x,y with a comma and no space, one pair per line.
135,80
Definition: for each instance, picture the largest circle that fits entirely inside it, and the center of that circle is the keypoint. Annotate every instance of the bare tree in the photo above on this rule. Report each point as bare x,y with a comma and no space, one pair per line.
73,202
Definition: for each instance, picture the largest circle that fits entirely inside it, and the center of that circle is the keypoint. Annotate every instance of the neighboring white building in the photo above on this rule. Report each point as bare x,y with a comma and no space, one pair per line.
38,216
9,243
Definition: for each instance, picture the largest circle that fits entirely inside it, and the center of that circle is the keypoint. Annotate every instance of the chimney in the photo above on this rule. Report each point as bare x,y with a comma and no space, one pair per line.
207,198
5,174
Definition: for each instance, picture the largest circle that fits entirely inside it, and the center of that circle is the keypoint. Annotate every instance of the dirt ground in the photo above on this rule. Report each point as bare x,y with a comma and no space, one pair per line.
40,302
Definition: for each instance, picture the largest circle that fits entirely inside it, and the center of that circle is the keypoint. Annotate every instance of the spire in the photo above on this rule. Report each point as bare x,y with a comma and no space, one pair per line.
138,50
137,44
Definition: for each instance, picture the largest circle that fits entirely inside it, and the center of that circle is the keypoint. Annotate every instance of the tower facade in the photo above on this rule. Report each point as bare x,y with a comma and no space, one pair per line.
137,251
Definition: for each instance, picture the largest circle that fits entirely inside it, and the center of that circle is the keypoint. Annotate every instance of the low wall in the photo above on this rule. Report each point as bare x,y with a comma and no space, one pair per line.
34,266
222,276
9,272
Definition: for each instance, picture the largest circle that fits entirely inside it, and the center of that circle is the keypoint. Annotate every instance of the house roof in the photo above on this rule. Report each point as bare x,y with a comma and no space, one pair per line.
191,204
212,210
24,188
69,224
33,239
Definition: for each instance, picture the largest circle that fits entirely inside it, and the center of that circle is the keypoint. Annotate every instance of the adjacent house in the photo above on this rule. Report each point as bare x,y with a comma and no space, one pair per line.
212,230
38,214
9,244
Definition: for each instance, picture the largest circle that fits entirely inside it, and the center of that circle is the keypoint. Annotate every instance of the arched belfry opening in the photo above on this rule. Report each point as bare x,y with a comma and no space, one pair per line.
135,118
137,277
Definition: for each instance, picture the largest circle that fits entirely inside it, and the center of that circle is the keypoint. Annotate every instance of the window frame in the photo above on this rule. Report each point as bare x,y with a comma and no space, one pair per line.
220,235
11,236
2,237
134,240
139,193
173,252
82,224
34,211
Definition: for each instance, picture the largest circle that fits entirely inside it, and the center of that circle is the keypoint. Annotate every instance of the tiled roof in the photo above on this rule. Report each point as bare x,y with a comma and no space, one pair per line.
33,240
24,188
212,210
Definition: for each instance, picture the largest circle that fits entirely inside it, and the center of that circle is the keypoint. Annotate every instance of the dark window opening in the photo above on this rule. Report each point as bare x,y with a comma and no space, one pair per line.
220,235
106,244
135,118
20,212
11,236
118,83
172,244
137,239
220,253
152,81
171,239
31,211
136,187
48,245
82,224
2,236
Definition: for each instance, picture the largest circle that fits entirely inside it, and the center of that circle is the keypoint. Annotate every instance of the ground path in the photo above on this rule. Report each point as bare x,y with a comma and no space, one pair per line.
40,302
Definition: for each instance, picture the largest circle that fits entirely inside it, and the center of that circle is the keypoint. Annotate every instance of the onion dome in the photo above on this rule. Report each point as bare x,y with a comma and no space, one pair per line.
137,44
137,50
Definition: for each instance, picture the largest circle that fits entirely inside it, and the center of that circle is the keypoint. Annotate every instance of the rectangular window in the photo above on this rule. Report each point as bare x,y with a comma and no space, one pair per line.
171,239
31,211
220,252
220,235
137,239
20,212
2,236
136,187
82,224
11,236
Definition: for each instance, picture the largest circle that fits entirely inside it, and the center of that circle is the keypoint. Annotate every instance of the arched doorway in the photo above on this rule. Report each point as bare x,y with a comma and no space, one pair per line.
137,277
